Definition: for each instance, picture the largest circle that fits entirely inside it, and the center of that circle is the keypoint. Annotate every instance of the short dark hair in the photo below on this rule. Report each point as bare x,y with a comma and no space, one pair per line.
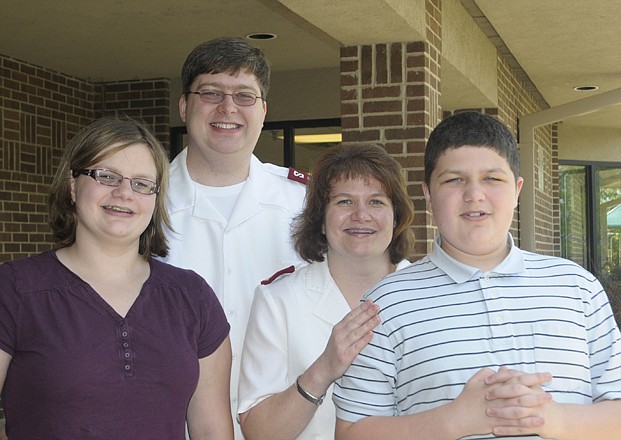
226,55
346,162
473,129
90,146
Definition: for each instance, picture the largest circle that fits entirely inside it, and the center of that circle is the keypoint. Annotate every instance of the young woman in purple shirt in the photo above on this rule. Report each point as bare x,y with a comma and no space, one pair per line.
98,340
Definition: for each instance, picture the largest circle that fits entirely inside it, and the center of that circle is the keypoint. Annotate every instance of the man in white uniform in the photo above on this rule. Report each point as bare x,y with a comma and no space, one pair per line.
231,214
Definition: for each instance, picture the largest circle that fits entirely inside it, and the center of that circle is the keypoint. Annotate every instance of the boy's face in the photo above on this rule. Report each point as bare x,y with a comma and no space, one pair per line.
472,194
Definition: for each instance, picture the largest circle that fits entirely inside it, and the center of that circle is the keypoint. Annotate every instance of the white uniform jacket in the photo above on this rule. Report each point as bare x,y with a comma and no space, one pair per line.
233,258
290,323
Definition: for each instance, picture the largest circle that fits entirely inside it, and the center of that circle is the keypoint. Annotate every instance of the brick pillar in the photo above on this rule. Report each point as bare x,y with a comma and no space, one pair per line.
390,96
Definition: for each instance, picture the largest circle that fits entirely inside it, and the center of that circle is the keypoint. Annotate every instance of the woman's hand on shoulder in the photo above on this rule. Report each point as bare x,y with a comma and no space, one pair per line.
349,336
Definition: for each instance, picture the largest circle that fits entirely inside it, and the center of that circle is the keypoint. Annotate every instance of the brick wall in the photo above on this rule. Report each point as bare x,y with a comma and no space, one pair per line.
390,96
148,100
40,111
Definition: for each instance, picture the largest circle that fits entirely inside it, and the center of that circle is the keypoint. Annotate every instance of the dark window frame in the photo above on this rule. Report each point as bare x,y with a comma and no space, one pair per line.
288,128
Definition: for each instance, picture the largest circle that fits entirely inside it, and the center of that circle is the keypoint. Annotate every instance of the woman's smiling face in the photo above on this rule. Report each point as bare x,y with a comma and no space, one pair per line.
112,213
359,219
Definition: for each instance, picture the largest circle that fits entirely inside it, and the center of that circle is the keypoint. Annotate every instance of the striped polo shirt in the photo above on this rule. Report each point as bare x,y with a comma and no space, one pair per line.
442,321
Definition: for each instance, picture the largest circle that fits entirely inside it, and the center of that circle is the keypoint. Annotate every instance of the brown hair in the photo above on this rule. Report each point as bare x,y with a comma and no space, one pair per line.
226,55
473,129
353,161
87,148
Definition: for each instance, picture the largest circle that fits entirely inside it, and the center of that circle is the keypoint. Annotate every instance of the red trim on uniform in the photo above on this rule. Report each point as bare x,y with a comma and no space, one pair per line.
298,176
289,269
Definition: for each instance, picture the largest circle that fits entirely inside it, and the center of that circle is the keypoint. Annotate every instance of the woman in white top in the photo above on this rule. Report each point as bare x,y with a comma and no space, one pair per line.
307,326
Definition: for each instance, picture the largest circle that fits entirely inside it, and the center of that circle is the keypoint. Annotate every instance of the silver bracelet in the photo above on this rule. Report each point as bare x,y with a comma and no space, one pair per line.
308,396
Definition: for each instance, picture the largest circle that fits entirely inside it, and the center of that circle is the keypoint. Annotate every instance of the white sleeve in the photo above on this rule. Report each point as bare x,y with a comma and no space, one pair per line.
264,357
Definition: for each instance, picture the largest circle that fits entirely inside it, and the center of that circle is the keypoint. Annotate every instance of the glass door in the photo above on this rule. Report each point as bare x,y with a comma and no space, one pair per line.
574,219
608,197
590,199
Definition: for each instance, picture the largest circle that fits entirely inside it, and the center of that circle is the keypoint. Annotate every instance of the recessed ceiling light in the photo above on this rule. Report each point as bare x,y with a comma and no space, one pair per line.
261,36
585,88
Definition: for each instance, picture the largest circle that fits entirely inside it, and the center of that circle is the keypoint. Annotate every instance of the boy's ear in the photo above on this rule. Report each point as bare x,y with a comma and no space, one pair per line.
518,189
427,197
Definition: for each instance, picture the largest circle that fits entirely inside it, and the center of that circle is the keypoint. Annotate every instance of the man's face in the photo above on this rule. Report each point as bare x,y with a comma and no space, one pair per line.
472,194
225,128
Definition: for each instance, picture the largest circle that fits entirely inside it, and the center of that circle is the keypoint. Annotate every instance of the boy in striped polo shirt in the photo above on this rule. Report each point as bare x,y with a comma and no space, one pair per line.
479,338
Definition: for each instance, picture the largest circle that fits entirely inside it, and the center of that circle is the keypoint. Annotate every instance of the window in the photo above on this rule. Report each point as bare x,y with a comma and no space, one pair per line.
590,198
284,143
297,143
